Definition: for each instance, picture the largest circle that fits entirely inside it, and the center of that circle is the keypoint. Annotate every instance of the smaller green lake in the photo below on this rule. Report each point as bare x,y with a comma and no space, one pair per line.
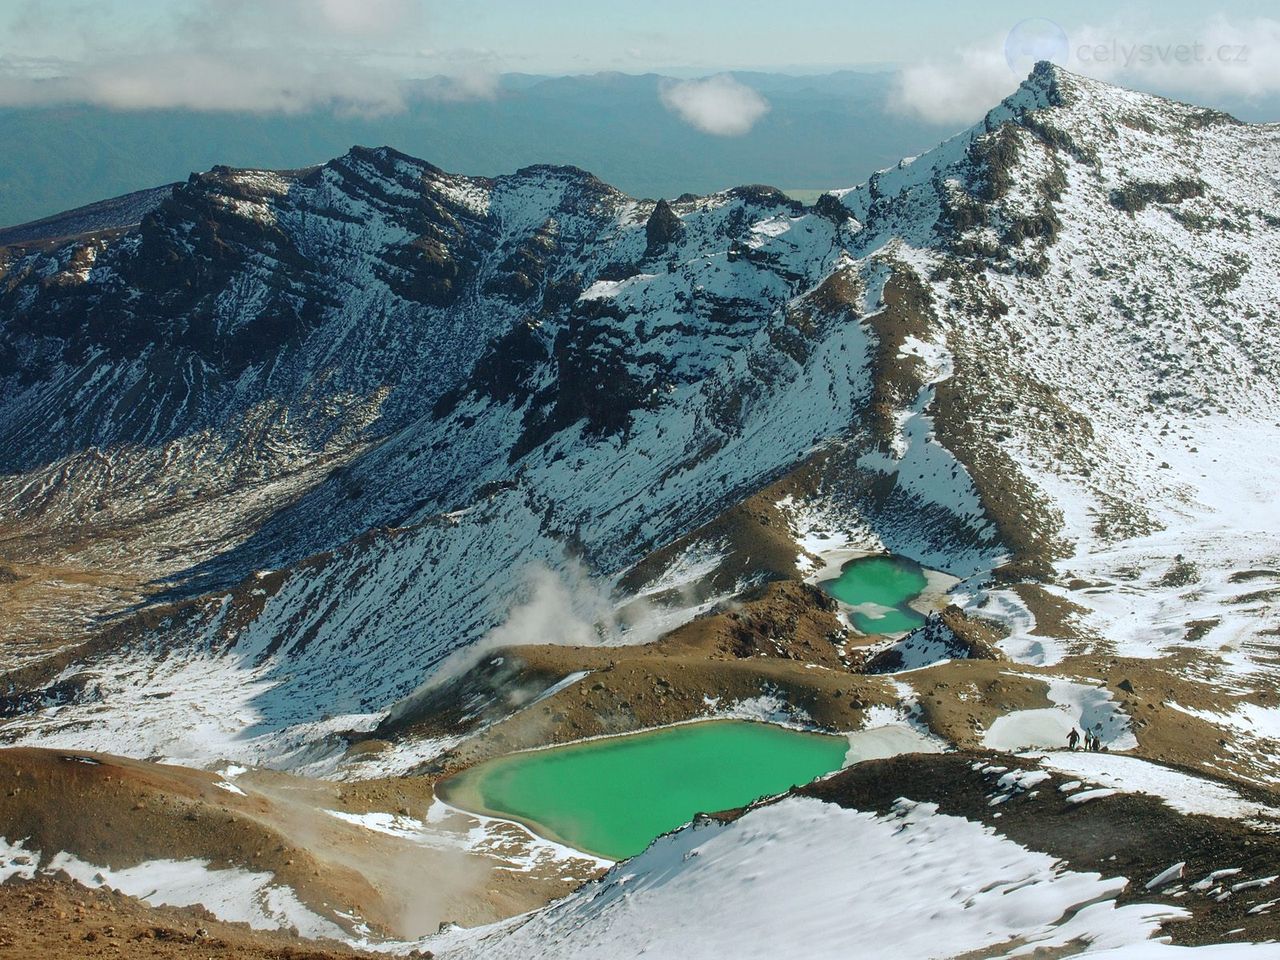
882,587
613,796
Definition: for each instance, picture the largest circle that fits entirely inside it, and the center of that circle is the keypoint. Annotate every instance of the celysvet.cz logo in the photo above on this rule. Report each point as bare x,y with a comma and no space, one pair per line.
1039,38
1129,55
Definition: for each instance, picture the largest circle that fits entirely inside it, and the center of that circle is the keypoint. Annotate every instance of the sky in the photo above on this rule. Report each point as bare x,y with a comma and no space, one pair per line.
951,60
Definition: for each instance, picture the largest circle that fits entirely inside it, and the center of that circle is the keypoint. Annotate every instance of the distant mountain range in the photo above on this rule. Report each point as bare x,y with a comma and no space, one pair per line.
821,131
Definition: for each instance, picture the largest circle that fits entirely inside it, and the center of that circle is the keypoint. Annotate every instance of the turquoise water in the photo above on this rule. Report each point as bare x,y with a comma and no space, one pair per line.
890,582
613,796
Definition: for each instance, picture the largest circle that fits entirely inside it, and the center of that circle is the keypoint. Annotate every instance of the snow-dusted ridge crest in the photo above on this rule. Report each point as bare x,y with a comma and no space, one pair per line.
334,412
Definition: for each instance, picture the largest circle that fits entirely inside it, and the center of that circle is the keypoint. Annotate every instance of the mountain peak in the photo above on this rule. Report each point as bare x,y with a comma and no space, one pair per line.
1047,85
385,159
1089,100
1048,79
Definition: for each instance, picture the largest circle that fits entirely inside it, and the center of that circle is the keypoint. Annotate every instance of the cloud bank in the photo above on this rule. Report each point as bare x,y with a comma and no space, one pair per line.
1215,59
282,56
717,105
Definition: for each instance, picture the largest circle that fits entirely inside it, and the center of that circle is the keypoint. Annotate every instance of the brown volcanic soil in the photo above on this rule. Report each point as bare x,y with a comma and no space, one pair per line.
960,699
116,813
132,811
42,605
762,548
1129,835
63,580
57,919
626,692
779,638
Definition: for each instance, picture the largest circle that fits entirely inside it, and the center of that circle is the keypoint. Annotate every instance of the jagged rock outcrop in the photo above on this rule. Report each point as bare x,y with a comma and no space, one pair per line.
946,635
661,229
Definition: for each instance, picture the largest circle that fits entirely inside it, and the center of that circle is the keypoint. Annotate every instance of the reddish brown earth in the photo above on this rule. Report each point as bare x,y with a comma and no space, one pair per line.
57,919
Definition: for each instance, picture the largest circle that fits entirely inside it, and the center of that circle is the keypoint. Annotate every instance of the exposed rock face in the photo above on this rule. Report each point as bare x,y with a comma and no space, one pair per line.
661,230
300,437
1135,197
829,206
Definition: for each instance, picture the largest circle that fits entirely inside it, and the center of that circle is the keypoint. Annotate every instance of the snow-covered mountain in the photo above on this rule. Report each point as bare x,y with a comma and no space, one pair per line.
398,386
273,455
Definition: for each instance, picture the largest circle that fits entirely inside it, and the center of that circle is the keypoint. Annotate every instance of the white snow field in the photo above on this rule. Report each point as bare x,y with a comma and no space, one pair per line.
1183,792
803,877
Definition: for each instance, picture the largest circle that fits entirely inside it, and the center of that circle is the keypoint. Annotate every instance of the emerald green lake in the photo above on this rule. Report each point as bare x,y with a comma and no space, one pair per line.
888,583
613,796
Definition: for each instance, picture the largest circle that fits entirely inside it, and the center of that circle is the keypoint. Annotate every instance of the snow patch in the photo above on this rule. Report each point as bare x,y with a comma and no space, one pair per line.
1182,791
1076,706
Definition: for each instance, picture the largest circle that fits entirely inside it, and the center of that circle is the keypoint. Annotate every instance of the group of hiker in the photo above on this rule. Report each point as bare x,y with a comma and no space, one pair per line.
1091,740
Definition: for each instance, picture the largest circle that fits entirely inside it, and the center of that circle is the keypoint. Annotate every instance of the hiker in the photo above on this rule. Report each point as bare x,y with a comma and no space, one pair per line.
1073,739
1094,742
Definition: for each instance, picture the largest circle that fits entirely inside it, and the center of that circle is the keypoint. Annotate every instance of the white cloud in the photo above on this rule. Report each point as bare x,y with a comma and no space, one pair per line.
959,90
283,56
718,105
